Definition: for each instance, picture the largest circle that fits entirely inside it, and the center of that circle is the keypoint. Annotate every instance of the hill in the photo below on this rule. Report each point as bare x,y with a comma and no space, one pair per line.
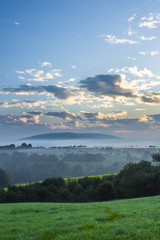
70,135
123,219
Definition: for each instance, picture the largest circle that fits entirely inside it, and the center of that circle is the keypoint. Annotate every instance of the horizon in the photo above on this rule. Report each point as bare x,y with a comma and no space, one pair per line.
81,67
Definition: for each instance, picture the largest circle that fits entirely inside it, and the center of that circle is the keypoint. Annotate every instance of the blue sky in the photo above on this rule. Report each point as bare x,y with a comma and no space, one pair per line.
82,66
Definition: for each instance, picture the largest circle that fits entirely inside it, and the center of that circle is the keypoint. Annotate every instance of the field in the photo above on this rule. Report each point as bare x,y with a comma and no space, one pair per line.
136,219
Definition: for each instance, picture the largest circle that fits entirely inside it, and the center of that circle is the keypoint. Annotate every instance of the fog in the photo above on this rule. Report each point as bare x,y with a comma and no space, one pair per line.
120,143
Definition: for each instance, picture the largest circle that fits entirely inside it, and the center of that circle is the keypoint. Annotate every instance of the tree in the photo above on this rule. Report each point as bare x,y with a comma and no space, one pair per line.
4,178
106,191
156,157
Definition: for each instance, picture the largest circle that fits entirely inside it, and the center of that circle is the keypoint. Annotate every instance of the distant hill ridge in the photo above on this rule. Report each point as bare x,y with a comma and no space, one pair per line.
70,135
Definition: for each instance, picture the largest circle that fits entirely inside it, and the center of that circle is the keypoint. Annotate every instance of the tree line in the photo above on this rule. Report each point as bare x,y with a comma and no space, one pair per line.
134,180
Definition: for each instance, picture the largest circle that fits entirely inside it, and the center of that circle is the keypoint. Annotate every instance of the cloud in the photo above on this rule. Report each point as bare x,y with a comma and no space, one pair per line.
132,58
107,85
59,92
140,73
152,53
23,104
21,77
113,40
143,53
147,38
152,21
145,119
140,109
29,71
17,23
64,115
18,120
73,66
35,113
20,72
134,71
100,116
132,18
70,80
40,75
46,64
130,32
151,98
120,90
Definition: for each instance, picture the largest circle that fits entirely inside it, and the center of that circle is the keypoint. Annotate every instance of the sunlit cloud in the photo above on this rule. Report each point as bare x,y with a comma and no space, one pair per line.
135,71
23,104
145,119
40,75
140,109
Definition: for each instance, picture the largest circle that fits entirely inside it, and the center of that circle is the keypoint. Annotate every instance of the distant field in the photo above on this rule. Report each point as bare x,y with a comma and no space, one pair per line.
66,179
136,219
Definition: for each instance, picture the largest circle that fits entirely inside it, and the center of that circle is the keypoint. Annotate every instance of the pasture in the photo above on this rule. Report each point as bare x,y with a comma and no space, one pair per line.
136,219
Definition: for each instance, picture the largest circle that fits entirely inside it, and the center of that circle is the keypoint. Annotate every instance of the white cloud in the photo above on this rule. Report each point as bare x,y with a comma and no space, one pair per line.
134,70
143,53
110,70
140,73
20,77
44,64
147,38
113,40
20,72
17,23
70,80
39,75
57,74
73,66
48,76
152,53
131,33
132,18
152,21
132,58
30,70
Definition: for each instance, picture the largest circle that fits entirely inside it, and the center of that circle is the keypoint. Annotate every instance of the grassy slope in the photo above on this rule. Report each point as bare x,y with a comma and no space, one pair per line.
137,219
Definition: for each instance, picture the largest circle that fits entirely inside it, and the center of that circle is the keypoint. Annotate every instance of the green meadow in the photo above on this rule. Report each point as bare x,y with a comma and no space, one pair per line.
136,219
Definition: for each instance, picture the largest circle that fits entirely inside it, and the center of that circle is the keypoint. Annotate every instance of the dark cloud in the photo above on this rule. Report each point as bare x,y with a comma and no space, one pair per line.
59,92
64,115
91,117
35,113
151,97
106,85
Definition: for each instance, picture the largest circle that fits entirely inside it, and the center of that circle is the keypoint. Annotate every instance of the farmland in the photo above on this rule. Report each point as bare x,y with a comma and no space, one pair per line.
121,219
36,164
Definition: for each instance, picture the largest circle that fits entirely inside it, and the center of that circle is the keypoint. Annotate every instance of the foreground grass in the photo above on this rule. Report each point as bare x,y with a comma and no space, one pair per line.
137,219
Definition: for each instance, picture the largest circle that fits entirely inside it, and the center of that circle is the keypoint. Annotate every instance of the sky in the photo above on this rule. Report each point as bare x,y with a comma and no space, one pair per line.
80,66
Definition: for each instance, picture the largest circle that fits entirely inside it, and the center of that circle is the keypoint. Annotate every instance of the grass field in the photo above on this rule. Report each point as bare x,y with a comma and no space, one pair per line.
137,219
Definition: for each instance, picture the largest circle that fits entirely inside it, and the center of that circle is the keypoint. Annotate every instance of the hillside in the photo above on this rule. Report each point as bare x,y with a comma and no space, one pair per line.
123,219
70,135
